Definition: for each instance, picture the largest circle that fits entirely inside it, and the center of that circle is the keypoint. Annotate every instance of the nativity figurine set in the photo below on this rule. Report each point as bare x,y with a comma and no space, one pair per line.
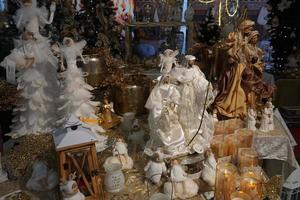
179,121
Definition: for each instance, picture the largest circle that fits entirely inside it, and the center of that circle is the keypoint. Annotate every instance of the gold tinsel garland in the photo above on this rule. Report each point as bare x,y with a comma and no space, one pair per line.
19,159
9,96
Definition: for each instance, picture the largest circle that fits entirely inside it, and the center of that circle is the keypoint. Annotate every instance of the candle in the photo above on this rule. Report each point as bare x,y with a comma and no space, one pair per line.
232,145
245,138
247,157
239,195
218,146
225,181
251,184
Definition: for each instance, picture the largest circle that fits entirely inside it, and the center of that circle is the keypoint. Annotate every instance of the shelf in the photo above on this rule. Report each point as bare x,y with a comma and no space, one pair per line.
155,24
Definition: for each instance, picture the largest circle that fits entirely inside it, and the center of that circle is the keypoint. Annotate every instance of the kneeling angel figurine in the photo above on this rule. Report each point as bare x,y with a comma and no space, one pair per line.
120,155
182,186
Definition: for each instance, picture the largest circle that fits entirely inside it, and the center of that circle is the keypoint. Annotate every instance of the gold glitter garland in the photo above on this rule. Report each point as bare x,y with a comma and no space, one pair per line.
9,96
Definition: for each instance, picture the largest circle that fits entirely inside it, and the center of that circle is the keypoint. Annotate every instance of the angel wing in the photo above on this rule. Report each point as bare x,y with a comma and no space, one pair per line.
79,48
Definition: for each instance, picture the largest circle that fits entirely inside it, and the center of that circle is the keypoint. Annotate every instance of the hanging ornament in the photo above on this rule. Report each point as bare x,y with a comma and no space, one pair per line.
233,8
293,34
262,18
283,5
275,22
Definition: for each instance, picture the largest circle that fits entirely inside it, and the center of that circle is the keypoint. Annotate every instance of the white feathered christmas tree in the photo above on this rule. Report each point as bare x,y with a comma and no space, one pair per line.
36,79
77,95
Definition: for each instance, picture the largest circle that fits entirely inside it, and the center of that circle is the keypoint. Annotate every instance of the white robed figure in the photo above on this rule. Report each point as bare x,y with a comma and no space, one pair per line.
37,78
193,91
162,103
265,120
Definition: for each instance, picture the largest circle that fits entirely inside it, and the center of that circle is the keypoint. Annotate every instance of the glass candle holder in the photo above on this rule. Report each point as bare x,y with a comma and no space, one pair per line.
232,143
225,181
218,146
239,195
245,138
251,184
247,157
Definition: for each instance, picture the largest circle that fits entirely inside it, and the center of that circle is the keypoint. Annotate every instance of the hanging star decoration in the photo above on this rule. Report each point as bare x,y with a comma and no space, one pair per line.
284,4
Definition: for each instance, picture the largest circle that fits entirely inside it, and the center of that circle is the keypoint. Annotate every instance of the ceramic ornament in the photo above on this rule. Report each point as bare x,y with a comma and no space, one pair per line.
155,168
251,119
70,190
182,186
120,156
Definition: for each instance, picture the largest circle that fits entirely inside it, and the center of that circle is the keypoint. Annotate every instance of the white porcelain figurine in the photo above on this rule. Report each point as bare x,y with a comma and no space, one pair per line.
120,155
167,59
155,168
70,190
182,186
251,119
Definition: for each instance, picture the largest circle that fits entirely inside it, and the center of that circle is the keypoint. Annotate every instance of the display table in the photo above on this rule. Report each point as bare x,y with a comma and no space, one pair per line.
277,144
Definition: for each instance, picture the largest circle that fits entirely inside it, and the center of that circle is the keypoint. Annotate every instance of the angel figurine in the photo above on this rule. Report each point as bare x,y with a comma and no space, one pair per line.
107,110
184,187
265,119
251,119
120,155
30,12
155,168
167,59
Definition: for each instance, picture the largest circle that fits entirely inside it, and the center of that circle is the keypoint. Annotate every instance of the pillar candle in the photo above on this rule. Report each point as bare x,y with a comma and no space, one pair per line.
239,195
247,157
245,138
251,184
225,181
232,144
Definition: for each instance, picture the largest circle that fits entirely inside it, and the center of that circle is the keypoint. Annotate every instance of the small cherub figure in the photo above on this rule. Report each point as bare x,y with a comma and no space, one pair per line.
70,190
155,168
265,119
184,187
251,118
120,155
167,59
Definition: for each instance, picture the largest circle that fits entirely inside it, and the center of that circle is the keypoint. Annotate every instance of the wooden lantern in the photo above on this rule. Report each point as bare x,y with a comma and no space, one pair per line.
76,150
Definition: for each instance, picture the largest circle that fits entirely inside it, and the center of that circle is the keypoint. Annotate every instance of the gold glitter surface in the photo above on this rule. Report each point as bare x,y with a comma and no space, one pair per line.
9,96
272,187
18,161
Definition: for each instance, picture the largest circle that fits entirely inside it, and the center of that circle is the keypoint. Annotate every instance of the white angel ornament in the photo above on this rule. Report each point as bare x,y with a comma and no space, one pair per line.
184,187
251,119
167,59
30,12
265,120
120,155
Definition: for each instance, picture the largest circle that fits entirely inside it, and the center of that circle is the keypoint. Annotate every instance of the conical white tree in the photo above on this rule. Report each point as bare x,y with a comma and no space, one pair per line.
76,94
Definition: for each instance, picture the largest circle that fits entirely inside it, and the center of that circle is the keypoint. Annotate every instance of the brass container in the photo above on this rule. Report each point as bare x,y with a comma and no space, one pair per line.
130,98
95,69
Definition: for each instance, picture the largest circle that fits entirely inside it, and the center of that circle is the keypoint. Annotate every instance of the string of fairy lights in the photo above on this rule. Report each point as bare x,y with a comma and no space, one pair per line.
228,3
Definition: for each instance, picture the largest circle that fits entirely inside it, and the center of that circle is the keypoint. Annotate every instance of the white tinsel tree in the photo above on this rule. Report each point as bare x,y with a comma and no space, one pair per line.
77,93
